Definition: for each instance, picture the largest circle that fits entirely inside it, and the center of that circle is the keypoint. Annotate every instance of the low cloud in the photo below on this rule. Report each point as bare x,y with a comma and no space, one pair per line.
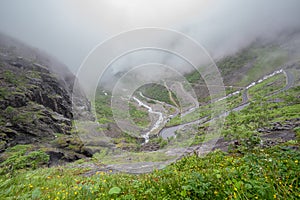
70,29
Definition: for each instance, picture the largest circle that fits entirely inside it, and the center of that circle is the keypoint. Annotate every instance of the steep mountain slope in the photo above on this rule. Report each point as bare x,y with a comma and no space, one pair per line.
36,102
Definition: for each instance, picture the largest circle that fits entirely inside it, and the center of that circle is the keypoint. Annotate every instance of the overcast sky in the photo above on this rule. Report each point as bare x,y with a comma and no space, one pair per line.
69,29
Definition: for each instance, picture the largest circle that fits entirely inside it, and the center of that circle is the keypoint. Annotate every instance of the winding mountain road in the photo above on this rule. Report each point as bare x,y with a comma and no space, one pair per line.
290,79
178,152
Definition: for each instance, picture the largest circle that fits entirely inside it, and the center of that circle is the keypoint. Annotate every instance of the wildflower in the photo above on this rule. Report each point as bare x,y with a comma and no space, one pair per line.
75,193
274,196
296,161
215,192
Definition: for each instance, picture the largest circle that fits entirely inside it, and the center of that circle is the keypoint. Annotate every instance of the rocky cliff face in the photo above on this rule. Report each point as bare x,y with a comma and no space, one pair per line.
36,102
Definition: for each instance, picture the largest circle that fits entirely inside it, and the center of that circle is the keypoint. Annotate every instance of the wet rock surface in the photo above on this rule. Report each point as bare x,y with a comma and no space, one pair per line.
280,126
36,101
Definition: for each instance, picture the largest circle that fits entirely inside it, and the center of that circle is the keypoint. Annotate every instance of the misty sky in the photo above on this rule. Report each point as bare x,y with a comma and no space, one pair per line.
69,29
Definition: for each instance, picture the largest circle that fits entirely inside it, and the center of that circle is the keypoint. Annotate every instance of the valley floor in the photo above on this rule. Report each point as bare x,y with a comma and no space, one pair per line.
257,157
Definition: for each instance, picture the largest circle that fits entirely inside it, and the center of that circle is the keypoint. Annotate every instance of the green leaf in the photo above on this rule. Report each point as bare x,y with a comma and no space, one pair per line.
36,193
248,186
114,190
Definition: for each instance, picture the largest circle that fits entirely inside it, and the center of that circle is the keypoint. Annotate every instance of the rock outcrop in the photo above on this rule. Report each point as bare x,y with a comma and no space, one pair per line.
36,94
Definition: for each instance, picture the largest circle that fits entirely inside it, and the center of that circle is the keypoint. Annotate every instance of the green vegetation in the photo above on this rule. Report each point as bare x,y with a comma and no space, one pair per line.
135,157
33,74
231,63
68,142
21,115
158,92
260,174
268,59
9,77
194,77
3,92
243,124
140,117
227,65
268,86
22,157
206,110
261,60
248,170
103,108
127,142
105,115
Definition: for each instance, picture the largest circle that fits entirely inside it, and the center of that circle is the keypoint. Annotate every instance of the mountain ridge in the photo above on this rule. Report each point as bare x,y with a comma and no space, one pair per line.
38,102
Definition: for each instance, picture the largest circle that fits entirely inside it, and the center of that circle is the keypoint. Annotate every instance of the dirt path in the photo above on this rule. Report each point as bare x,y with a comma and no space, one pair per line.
171,96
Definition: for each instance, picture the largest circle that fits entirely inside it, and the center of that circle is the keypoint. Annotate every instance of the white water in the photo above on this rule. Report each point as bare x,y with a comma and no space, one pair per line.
157,123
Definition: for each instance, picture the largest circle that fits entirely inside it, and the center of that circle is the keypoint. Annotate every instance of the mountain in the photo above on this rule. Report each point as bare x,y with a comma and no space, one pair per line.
36,102
256,154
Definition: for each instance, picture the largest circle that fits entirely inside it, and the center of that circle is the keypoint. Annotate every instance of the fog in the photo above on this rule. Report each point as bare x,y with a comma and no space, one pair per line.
70,29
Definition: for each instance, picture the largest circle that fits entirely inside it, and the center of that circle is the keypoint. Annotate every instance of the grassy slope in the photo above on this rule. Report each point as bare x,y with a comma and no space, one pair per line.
268,60
253,173
158,92
105,115
267,87
246,66
259,174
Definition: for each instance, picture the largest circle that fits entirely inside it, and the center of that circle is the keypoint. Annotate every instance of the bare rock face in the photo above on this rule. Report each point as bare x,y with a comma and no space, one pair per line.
36,107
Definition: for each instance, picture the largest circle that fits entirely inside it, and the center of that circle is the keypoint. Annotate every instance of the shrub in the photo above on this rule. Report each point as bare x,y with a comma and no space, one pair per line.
20,157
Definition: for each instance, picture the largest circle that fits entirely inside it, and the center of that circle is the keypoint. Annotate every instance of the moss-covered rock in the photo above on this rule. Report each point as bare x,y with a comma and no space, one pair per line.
36,100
